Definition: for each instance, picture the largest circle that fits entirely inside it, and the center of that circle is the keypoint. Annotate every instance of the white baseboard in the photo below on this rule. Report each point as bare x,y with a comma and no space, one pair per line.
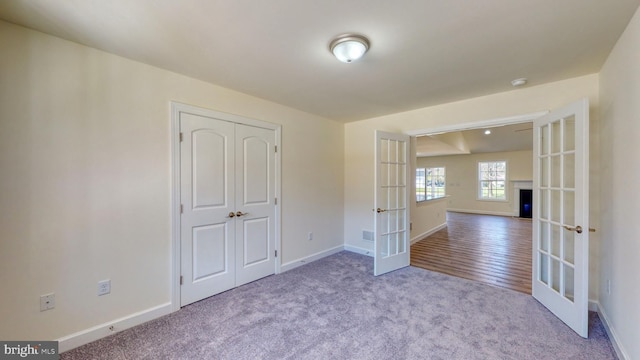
613,336
98,332
358,250
482,212
428,232
307,259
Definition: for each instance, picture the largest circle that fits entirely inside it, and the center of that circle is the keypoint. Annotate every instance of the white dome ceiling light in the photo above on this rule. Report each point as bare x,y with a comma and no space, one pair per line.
349,48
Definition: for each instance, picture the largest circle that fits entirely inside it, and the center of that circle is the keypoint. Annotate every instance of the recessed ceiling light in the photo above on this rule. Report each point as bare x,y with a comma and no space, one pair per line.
487,132
519,82
349,47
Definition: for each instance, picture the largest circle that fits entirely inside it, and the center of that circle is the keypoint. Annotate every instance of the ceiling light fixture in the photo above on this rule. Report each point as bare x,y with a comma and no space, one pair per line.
487,132
519,82
348,48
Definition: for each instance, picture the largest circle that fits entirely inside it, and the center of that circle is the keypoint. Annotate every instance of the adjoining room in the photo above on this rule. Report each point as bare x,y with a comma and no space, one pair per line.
474,180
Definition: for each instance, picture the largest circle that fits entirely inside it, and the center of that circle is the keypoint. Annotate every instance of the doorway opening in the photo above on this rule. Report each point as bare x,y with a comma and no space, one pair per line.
481,239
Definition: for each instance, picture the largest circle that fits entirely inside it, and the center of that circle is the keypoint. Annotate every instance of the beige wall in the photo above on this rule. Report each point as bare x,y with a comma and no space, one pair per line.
427,217
85,181
461,172
620,168
359,145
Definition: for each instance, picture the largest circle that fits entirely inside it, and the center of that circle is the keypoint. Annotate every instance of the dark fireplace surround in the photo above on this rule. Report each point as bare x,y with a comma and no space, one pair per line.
526,203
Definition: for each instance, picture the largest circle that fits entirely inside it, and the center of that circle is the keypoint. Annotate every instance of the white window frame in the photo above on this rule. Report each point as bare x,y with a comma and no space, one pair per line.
480,180
433,192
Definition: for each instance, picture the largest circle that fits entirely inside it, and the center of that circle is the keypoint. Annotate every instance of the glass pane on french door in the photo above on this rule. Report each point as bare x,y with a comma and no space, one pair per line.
393,168
556,249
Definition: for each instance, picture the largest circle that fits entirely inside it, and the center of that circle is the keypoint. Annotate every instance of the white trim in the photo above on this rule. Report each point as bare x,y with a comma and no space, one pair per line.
613,336
176,109
358,250
83,337
175,206
428,232
509,120
311,258
482,212
278,194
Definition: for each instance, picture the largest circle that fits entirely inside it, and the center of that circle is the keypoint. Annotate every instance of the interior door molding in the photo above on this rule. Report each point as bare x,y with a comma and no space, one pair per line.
509,120
176,109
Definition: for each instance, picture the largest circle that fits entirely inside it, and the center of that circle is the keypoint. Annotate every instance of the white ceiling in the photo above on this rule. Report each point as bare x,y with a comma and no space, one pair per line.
516,137
422,52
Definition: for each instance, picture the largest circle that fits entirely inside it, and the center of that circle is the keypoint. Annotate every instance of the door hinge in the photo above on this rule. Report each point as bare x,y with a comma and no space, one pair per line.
181,280
181,209
180,137
276,147
276,253
275,201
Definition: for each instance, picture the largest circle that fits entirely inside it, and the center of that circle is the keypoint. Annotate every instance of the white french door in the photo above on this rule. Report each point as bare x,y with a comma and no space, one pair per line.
391,202
227,194
561,216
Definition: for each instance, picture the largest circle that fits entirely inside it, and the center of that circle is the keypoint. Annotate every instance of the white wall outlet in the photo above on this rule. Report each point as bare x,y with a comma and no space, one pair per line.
310,236
47,302
104,287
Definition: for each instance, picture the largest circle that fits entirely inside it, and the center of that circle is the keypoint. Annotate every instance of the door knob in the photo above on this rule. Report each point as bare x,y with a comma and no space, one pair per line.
380,210
231,214
240,213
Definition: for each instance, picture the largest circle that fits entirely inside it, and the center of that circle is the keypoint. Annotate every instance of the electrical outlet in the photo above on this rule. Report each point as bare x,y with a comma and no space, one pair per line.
104,287
310,236
47,302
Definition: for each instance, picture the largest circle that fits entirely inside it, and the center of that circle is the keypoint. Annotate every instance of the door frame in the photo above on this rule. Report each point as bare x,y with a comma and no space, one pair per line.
510,120
176,109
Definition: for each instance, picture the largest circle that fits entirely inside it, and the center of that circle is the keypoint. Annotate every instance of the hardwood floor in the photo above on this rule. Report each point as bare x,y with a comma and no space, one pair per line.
490,249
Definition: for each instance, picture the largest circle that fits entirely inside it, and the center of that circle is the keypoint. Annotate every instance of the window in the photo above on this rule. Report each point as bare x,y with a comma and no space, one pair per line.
492,180
430,183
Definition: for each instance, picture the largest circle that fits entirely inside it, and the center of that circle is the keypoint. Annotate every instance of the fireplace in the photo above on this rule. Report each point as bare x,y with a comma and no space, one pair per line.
526,203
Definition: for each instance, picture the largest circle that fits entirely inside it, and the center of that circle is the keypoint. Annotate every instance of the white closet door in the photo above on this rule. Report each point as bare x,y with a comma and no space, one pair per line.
255,196
207,187
227,192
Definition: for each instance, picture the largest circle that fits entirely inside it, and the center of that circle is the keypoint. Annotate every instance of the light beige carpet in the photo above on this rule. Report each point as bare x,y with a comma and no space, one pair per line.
335,308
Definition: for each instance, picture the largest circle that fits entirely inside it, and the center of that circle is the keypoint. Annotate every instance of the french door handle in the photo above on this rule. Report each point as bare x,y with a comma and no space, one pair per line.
577,229
231,214
380,210
240,213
